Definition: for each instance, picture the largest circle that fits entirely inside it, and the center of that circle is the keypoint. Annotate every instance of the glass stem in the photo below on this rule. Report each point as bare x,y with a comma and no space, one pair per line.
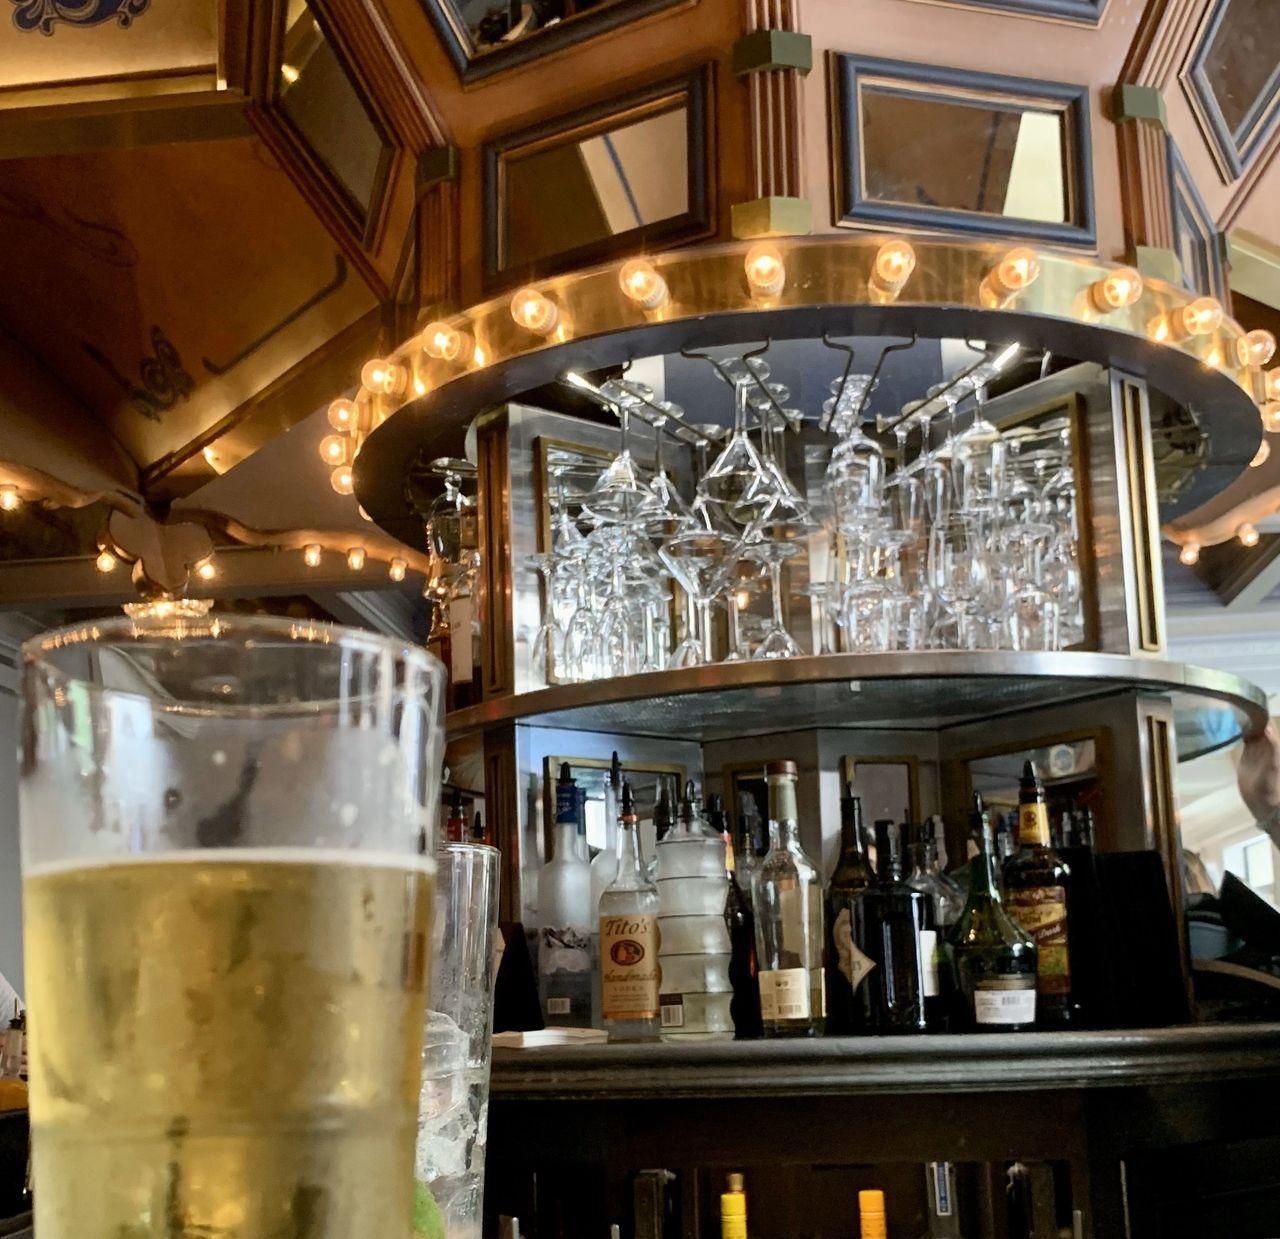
735,628
775,584
704,617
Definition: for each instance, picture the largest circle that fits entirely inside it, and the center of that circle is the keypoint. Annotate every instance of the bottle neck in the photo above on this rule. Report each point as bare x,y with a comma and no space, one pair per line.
566,844
782,801
1033,824
630,862
851,829
982,869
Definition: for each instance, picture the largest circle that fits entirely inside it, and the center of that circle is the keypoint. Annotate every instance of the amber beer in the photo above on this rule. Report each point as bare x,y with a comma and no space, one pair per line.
225,1043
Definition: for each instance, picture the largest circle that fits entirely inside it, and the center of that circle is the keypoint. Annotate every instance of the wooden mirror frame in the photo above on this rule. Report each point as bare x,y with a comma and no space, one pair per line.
693,90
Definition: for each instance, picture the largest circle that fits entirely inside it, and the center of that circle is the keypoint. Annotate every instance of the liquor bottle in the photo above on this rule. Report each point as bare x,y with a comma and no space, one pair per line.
455,826
733,1209
888,930
565,920
694,946
789,919
629,939
943,907
846,964
753,842
741,924
1036,880
604,865
995,958
663,819
871,1223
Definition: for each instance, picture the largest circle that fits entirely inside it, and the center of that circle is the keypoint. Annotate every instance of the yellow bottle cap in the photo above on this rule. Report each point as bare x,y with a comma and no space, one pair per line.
871,1214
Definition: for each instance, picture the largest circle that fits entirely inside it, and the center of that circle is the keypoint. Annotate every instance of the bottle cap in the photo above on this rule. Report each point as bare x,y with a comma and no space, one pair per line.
615,770
566,775
734,1182
782,767
871,1200
628,805
871,1214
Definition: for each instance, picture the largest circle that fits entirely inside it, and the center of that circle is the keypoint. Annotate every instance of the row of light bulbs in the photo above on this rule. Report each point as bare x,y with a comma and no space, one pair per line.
357,556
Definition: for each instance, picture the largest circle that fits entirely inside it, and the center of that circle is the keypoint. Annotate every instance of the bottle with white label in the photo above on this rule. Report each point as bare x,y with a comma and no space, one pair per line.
629,939
790,925
566,922
995,958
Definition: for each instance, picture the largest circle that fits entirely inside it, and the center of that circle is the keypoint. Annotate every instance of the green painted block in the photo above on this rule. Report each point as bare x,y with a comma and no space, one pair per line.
771,217
772,49
1141,103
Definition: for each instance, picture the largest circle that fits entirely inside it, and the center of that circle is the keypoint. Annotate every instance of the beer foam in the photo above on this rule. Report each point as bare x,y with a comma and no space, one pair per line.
347,858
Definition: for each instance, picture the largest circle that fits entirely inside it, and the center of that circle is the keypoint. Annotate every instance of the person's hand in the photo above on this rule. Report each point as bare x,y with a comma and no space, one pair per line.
1258,776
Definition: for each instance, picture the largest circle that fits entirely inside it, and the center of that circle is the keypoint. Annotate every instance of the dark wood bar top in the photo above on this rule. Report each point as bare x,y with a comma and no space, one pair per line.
888,1065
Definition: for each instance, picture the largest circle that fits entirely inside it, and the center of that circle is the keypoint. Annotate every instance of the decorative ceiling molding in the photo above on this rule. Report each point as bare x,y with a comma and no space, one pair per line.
31,16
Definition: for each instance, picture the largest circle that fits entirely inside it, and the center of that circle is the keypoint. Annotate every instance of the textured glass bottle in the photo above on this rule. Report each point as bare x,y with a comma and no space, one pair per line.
1035,889
789,920
629,971
566,920
846,964
693,890
995,958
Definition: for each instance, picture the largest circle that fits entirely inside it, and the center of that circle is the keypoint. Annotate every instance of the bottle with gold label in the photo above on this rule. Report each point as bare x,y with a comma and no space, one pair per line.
629,972
790,929
1036,880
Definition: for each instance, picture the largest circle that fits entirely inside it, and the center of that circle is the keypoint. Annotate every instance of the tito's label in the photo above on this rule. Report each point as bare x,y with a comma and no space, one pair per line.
1033,825
1042,912
629,972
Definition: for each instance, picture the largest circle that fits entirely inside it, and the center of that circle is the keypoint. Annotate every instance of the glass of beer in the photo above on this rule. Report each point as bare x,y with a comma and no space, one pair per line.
227,836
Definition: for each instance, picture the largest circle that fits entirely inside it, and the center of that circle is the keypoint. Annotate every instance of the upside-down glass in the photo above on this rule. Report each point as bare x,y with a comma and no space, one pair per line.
227,918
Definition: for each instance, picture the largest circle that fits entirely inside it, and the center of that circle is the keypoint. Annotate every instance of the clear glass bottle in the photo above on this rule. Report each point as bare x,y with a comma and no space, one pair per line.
943,906
995,958
604,865
891,918
694,950
629,972
1036,882
566,924
790,926
846,964
663,820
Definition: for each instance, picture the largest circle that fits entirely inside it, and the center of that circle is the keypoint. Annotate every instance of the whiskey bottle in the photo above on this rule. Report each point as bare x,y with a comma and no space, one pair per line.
629,972
1036,880
846,964
995,958
789,920
891,918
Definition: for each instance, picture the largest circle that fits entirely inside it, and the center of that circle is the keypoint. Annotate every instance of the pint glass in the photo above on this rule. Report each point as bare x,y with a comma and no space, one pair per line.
227,880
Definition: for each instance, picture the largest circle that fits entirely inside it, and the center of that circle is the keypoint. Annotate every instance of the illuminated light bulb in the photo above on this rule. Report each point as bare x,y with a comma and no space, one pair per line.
1190,554
364,516
1261,455
10,500
534,312
419,387
311,554
481,358
1199,318
1159,330
892,268
1116,290
1016,271
290,73
343,480
106,561
766,272
1257,348
210,457
1248,535
355,558
639,281
397,569
344,414
333,449
444,342
205,570
1272,381
383,377
1270,416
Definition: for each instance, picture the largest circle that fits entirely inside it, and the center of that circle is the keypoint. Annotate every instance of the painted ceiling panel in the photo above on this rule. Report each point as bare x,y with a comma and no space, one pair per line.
166,285
47,41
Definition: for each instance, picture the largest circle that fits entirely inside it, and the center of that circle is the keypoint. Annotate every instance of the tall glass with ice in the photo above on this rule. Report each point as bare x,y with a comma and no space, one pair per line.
227,878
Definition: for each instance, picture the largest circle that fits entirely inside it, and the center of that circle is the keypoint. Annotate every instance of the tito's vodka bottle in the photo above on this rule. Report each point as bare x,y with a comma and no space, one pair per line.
629,939
789,921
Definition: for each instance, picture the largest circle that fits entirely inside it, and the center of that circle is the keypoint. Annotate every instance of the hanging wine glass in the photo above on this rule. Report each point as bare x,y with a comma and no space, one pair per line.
776,642
620,496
